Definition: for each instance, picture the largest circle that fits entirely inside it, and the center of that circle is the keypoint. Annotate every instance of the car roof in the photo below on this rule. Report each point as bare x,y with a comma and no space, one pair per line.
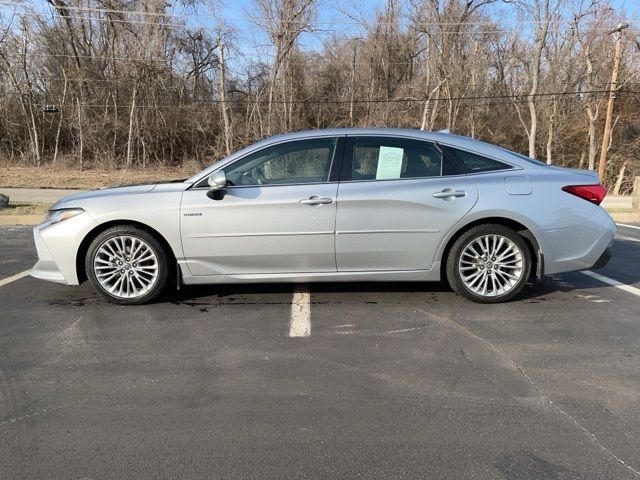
354,131
444,138
440,137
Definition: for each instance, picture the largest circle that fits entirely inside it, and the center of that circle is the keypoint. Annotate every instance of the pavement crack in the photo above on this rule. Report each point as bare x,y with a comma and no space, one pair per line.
537,388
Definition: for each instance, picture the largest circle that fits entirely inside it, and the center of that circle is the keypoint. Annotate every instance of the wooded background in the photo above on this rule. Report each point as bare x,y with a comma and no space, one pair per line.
149,82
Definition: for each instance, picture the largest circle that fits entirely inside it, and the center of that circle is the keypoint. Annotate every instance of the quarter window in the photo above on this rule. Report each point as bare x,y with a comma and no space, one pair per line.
474,163
305,161
379,158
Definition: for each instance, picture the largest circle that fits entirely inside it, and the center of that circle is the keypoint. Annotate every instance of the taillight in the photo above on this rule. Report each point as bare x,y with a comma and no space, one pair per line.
591,193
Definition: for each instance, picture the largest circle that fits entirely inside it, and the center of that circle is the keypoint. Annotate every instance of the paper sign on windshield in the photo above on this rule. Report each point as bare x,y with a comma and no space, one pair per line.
389,163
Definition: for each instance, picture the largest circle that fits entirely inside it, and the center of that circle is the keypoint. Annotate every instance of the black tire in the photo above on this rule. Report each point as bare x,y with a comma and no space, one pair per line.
453,261
163,264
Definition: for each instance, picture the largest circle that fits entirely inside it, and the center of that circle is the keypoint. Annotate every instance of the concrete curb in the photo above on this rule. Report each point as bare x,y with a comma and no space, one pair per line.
626,217
10,220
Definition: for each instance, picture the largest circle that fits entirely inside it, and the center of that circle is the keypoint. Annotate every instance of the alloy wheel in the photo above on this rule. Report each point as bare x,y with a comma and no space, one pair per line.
491,265
125,266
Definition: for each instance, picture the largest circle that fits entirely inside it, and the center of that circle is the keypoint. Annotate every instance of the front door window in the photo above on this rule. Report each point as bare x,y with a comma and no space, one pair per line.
299,162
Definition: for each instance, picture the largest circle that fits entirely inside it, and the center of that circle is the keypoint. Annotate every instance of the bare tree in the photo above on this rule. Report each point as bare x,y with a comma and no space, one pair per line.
283,21
134,84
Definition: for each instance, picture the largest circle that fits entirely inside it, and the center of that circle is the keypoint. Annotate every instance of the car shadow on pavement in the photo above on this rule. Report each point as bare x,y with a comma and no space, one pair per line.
190,293
533,292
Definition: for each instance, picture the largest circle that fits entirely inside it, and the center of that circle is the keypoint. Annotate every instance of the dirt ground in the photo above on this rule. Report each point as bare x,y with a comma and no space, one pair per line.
25,209
64,177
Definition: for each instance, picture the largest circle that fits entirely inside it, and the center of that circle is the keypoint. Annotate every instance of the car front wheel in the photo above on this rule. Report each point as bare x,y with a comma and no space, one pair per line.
127,265
489,264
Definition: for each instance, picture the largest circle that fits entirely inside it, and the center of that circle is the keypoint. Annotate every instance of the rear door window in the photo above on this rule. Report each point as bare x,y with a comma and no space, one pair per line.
382,158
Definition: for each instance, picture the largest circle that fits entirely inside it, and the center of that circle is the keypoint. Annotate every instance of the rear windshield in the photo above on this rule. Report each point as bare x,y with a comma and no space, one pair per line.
524,157
474,163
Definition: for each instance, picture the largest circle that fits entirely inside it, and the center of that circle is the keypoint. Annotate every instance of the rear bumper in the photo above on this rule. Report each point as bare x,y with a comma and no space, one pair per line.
578,248
604,258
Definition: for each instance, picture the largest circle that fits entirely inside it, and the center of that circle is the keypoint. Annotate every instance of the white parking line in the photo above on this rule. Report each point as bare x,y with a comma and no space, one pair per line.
628,226
300,313
628,239
613,283
13,278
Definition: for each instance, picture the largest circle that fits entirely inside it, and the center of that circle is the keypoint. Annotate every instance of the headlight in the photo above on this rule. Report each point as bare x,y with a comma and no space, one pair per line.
57,216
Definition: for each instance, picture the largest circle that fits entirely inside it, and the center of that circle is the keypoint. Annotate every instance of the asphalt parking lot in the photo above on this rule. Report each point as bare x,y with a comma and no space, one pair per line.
380,381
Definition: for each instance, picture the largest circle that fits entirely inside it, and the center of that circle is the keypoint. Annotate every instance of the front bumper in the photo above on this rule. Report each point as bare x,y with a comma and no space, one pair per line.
45,268
57,246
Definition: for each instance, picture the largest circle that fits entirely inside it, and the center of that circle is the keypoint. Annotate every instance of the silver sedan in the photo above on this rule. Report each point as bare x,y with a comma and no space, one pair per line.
335,205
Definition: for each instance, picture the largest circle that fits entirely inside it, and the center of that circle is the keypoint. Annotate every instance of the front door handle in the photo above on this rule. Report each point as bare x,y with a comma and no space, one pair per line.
450,194
316,200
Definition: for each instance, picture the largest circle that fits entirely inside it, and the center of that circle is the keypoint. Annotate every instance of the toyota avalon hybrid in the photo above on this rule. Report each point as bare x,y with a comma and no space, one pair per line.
335,205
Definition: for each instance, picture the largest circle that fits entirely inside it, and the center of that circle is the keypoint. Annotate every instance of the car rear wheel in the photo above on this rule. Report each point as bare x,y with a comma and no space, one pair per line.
127,265
489,264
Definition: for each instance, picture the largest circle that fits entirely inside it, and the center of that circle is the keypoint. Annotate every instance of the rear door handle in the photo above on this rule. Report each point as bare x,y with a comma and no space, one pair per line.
316,200
450,194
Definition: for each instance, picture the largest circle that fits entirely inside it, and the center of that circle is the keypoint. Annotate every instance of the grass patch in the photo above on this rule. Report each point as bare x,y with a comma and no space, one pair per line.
64,177
25,209
621,210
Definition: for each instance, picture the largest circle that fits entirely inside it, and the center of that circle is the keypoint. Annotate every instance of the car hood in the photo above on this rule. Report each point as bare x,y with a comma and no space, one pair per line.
73,200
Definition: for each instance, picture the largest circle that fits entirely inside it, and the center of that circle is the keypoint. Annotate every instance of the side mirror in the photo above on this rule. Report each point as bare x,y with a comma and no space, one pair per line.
217,182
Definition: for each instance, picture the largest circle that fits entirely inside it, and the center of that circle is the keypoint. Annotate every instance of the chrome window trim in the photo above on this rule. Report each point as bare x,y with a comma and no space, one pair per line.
428,178
515,167
229,187
401,179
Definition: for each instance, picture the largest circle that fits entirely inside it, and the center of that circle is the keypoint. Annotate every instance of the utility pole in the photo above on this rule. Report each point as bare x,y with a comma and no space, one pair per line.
612,96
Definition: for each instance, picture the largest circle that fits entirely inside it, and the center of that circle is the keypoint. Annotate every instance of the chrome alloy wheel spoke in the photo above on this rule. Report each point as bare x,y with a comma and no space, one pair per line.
126,266
491,265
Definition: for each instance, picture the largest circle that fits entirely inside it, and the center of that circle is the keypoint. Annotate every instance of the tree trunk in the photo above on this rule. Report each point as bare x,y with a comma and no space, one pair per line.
223,102
64,97
131,120
550,133
616,188
542,28
80,133
353,84
591,133
583,156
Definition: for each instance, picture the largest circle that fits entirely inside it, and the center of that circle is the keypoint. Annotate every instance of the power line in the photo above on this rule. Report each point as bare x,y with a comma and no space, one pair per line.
319,30
332,22
328,22
511,98
126,81
121,21
368,34
45,56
